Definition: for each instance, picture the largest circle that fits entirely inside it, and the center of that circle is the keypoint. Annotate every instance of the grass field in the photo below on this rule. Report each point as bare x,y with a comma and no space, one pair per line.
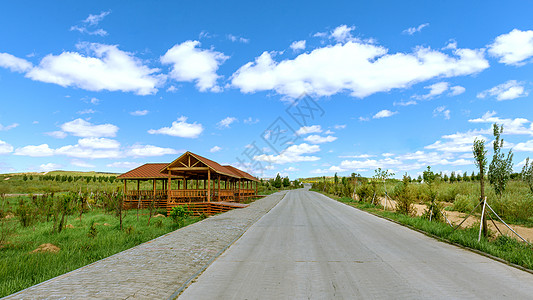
20,268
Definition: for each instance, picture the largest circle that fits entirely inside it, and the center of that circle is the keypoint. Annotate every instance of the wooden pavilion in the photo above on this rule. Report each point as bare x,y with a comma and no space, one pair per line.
200,183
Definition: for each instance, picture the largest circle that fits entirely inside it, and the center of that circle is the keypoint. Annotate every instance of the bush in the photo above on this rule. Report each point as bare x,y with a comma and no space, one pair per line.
25,213
179,213
464,203
93,232
365,192
404,200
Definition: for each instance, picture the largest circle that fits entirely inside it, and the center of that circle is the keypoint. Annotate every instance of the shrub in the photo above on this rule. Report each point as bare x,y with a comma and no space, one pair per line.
93,232
404,199
365,192
25,213
464,203
179,213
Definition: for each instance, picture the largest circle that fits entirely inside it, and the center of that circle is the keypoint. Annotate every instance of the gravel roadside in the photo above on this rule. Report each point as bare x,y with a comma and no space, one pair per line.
158,268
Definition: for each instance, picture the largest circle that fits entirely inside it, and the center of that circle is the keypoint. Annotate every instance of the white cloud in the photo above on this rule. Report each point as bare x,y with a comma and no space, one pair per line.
49,167
369,164
434,90
215,149
82,128
143,112
440,88
384,114
226,122
290,169
292,154
511,126
364,119
180,128
250,120
172,89
509,90
524,147
298,45
149,150
458,142
81,164
357,156
14,64
8,127
317,139
456,90
358,67
57,134
35,151
94,20
513,48
342,33
309,129
441,110
86,111
405,103
124,165
190,63
104,68
339,126
413,30
81,151
330,170
5,148
84,29
387,154
98,143
90,22
239,39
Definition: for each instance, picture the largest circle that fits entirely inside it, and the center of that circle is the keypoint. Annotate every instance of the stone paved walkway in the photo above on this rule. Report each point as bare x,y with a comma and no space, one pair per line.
158,268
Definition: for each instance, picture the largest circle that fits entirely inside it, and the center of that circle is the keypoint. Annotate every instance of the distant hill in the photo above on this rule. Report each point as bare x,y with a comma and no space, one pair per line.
61,172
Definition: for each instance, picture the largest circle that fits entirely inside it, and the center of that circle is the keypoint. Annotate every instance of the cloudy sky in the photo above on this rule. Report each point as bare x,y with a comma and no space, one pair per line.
392,84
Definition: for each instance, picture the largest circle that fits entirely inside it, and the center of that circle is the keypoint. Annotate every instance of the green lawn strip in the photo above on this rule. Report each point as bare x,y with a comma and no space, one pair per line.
508,249
19,268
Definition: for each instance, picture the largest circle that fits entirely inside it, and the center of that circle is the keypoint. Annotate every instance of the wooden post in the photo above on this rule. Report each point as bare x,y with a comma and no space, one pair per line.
208,185
256,188
218,183
169,188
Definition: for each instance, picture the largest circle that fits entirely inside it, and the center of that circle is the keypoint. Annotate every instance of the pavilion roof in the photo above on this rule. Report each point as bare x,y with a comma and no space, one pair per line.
146,171
160,170
241,173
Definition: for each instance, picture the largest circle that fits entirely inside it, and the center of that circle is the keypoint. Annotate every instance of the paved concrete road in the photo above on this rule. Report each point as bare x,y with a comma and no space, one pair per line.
311,247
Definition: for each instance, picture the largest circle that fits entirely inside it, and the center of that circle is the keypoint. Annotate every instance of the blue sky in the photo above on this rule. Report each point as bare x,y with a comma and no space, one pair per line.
399,85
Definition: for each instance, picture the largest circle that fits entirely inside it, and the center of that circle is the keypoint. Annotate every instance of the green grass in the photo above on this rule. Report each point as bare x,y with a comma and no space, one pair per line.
503,247
19,268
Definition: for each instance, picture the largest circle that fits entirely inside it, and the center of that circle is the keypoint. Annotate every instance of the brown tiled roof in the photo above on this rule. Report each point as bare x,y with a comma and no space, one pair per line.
241,173
215,166
146,171
224,170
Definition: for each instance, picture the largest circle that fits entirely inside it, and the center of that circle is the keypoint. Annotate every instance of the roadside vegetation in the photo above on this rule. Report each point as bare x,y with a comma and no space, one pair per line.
57,222
509,194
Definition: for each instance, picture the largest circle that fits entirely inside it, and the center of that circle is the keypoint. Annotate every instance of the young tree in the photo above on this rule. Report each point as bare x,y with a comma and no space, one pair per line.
286,182
465,177
25,177
433,208
277,182
501,167
452,177
446,178
480,158
527,174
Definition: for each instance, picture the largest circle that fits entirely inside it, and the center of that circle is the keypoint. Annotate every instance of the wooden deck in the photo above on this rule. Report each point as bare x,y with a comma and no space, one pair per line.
195,199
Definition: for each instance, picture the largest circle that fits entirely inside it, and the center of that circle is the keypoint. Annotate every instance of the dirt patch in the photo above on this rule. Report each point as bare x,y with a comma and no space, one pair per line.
7,178
456,217
159,215
47,248
106,224
9,216
69,226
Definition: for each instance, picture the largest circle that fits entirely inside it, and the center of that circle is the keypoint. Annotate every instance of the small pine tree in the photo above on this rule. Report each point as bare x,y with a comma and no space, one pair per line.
25,177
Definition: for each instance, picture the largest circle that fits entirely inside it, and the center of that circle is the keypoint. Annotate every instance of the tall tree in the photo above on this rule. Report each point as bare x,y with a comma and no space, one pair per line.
501,167
480,158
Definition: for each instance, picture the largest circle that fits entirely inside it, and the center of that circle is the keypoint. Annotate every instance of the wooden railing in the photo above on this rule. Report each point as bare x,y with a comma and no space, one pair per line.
145,193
